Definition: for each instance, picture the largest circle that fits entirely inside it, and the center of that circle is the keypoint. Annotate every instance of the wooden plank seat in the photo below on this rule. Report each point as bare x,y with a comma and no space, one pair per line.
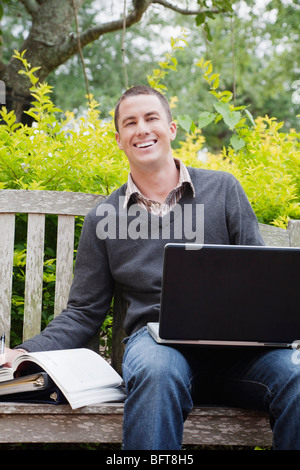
21,422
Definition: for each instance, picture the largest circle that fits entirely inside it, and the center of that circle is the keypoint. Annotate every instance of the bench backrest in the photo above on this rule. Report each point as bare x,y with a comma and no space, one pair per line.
37,204
66,206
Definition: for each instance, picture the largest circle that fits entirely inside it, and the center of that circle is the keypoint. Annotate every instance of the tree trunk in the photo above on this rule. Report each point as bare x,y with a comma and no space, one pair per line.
51,26
50,43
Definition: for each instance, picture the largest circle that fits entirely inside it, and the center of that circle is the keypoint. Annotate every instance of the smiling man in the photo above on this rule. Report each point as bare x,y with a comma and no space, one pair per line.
163,382
145,132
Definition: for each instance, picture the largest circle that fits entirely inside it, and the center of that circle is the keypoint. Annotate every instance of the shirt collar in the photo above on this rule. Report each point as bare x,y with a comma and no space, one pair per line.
184,177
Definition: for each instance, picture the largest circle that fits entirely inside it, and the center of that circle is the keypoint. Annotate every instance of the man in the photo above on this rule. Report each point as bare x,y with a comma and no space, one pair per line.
118,244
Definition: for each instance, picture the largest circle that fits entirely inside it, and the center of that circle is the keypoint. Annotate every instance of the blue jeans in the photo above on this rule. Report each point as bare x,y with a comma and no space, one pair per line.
163,383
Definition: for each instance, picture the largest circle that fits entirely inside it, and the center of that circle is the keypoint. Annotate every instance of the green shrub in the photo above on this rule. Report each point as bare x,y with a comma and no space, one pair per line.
264,160
268,167
61,154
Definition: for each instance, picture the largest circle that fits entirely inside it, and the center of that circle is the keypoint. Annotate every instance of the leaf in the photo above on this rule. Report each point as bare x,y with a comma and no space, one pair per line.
205,118
208,71
222,108
250,116
214,80
200,62
185,122
208,32
226,96
237,142
200,19
231,118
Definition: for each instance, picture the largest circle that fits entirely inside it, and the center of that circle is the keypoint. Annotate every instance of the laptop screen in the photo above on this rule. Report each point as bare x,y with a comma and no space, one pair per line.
230,293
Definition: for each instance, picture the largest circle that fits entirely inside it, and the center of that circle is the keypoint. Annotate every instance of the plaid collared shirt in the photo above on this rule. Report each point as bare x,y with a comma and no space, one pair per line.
156,208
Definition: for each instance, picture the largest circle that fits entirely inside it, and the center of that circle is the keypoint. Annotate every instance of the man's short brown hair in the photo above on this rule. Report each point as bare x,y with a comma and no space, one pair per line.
142,90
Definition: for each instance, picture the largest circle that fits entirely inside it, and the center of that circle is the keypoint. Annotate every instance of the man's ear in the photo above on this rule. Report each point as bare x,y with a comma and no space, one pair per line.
118,141
173,130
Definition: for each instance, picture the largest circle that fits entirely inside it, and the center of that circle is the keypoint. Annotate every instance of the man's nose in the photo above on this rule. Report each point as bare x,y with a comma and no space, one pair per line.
142,128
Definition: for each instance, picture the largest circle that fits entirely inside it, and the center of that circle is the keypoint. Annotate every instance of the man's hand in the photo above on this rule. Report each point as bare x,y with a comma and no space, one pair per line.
7,358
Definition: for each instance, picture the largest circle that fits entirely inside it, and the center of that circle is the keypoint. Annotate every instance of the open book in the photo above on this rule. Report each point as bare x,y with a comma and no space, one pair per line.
81,375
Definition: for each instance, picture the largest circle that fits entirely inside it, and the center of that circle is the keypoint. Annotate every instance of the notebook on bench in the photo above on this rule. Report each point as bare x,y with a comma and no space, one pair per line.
229,295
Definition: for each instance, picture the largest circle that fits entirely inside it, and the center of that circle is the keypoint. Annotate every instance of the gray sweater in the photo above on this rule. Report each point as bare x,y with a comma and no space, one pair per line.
125,246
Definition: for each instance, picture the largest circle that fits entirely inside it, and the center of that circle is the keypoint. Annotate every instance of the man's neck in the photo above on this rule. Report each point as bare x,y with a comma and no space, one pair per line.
157,184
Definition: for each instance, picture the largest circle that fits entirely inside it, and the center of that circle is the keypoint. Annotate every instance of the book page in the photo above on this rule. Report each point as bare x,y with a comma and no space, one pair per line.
76,369
6,373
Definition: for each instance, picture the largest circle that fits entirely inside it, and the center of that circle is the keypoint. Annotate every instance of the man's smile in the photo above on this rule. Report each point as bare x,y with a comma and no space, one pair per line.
145,144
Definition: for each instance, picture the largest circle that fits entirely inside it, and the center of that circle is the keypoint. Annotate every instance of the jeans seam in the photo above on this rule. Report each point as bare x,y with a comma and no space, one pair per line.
254,382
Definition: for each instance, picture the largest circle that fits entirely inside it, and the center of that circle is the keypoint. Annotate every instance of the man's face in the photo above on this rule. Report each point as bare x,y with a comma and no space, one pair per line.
145,134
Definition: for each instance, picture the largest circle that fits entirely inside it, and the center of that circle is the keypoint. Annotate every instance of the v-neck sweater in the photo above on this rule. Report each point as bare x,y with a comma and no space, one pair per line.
116,246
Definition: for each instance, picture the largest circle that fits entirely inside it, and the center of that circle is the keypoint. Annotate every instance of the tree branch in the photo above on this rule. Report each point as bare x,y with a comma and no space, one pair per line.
91,34
184,11
69,45
31,6
140,6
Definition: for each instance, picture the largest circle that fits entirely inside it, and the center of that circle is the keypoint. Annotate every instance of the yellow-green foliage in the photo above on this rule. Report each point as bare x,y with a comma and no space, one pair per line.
264,160
59,154
268,167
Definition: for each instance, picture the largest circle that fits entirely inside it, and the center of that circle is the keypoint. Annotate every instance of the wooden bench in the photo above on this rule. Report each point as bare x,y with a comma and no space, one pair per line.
21,423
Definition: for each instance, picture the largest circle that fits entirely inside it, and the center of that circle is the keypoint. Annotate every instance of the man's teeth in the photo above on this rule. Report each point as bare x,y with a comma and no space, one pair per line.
145,144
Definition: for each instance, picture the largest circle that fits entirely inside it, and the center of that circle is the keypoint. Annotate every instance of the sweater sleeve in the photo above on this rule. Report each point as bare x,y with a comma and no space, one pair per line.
89,300
242,224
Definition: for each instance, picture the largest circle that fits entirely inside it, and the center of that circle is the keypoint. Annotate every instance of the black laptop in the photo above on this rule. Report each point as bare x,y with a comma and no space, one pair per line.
229,295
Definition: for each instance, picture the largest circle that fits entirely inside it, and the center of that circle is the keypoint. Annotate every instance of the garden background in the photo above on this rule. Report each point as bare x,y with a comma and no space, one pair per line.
230,70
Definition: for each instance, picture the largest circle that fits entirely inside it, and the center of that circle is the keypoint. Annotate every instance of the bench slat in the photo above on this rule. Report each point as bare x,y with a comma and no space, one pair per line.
64,261
7,230
103,424
47,202
294,232
34,275
274,236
